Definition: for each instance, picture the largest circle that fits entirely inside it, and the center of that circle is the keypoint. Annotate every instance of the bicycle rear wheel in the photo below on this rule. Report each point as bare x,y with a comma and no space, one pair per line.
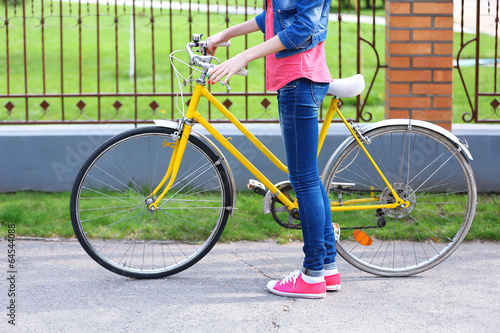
111,218
425,168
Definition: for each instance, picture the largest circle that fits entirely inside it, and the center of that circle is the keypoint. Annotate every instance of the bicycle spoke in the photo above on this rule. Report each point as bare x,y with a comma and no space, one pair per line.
110,225
114,223
425,169
120,170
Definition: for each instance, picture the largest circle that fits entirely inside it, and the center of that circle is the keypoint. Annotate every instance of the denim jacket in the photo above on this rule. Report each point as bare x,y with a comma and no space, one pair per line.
299,24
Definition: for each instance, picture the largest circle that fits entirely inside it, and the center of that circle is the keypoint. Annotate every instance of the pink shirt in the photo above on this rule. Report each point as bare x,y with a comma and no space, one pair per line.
310,64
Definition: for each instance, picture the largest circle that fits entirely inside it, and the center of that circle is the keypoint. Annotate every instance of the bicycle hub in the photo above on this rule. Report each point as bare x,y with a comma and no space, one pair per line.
149,201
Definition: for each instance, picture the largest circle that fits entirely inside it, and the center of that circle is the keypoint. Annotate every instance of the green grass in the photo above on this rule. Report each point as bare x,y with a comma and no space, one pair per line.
38,214
112,54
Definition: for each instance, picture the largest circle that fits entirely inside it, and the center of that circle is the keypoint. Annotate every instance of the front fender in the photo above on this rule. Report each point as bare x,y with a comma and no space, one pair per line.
174,125
406,122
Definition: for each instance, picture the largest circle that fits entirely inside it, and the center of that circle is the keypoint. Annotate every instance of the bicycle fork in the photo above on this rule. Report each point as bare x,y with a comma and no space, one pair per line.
179,144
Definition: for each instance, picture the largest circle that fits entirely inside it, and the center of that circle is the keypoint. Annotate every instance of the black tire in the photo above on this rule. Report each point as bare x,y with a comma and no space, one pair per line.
113,223
426,168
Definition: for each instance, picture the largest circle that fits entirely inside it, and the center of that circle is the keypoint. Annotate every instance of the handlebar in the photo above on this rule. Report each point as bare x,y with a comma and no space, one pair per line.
204,60
223,44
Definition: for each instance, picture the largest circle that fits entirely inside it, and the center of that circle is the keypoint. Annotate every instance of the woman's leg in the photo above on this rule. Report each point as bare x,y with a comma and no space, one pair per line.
298,105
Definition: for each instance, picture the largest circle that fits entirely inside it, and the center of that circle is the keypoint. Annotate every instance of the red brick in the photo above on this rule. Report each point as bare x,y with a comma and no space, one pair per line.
410,102
398,88
432,115
398,35
443,22
409,21
397,114
397,62
443,76
409,48
408,76
433,35
432,8
433,62
398,7
387,112
445,125
443,48
432,89
443,102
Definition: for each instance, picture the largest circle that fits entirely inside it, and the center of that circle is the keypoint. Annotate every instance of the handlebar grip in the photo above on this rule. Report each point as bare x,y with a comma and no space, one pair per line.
242,72
224,44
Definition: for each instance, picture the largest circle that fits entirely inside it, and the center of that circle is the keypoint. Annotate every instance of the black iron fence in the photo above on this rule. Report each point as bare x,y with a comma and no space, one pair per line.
477,61
106,61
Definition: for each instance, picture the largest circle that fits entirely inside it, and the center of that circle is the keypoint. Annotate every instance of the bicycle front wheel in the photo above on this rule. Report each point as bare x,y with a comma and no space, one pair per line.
111,218
424,168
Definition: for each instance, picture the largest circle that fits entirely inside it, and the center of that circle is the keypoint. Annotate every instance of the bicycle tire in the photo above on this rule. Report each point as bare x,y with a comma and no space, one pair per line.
423,166
111,219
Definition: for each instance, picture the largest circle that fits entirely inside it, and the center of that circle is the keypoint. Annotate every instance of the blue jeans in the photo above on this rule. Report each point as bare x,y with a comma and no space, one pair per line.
298,104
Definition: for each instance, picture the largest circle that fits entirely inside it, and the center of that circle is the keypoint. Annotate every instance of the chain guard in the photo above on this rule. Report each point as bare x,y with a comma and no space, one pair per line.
280,212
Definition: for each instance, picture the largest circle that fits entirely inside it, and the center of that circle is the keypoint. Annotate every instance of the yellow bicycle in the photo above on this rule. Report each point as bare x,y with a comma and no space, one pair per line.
153,201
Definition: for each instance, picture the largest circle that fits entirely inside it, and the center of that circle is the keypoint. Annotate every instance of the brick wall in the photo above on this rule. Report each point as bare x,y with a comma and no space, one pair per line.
419,59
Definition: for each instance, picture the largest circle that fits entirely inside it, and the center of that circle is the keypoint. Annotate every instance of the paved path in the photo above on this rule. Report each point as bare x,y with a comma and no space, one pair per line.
60,289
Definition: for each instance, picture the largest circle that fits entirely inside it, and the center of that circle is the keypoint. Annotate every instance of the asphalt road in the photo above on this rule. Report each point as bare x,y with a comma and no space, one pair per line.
58,288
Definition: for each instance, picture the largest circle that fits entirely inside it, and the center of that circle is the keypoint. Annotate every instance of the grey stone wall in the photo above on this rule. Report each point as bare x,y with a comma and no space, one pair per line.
48,157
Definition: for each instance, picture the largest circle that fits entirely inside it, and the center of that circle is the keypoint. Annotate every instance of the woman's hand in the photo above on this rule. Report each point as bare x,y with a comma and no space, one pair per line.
227,68
216,39
231,66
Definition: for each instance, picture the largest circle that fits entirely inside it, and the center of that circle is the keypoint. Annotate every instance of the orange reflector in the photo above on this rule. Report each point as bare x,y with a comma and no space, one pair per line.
362,238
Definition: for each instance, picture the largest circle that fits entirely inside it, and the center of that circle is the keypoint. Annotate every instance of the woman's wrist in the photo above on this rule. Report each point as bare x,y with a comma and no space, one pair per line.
246,56
225,35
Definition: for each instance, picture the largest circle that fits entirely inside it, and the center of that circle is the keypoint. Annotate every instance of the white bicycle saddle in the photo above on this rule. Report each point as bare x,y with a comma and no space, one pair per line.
349,87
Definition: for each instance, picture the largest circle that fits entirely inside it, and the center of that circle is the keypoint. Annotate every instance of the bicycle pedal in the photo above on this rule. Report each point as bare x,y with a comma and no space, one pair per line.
256,186
336,231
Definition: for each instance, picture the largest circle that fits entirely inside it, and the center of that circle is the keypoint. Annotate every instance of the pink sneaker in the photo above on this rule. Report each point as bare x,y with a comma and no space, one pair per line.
332,282
293,286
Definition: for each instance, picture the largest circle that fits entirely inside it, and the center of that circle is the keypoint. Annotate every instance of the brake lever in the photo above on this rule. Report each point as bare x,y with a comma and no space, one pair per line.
216,59
224,84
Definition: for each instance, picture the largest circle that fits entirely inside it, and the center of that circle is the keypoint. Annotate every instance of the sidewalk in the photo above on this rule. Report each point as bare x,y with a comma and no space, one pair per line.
60,289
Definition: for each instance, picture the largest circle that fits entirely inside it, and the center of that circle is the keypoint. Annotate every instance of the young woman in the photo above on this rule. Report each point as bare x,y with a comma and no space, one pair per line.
296,67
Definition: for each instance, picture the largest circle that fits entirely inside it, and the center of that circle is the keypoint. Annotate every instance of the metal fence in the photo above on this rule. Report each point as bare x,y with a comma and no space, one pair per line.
106,61
477,60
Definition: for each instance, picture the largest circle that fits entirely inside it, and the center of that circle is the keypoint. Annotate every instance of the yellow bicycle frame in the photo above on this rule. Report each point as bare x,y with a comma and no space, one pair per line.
193,114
